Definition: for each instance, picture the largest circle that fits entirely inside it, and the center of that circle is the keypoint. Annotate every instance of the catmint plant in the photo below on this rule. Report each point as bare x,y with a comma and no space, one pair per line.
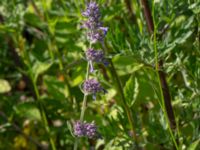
95,32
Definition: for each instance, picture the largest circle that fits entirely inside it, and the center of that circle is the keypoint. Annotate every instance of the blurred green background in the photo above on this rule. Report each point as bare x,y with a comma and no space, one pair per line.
42,67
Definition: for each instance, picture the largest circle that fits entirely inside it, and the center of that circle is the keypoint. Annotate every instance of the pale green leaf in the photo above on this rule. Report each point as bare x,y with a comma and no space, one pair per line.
4,86
39,68
194,145
131,90
28,110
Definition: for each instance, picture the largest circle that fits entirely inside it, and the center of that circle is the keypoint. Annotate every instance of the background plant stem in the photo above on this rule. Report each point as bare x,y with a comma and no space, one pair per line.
43,115
165,95
33,88
123,100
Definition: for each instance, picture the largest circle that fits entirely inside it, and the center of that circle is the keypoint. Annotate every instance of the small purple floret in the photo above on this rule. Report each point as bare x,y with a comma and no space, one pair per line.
85,129
96,31
96,56
104,29
79,129
92,10
92,86
91,130
96,35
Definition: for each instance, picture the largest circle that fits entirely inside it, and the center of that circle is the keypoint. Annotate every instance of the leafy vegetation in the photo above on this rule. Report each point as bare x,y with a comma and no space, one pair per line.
152,80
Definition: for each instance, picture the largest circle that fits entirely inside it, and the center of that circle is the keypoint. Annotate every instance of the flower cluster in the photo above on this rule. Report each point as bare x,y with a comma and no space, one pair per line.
96,56
82,129
92,86
95,30
95,33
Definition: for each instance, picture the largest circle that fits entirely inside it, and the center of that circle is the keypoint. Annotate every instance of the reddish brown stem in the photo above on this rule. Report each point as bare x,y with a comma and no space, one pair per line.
148,16
166,95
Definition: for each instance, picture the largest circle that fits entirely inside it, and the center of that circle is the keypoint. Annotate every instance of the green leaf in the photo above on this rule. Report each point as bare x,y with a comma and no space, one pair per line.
70,128
131,90
4,86
28,110
78,76
34,20
126,64
56,88
194,145
195,7
39,68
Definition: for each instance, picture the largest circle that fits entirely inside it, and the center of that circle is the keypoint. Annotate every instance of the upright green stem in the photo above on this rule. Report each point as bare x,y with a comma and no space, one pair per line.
127,109
43,115
83,107
85,96
159,82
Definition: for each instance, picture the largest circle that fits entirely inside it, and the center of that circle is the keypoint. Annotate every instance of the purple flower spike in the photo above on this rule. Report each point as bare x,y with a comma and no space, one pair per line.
92,11
96,31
